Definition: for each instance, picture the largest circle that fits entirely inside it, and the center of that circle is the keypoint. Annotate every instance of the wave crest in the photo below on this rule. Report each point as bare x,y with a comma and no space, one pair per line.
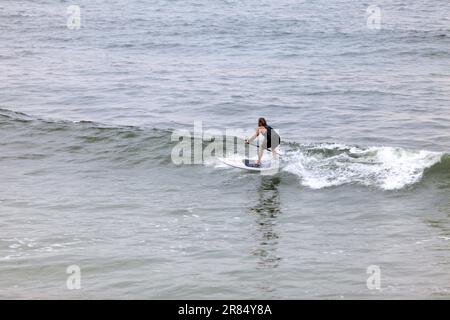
388,168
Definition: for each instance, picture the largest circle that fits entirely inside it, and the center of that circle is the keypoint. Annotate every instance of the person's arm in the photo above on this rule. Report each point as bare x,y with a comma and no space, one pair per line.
253,137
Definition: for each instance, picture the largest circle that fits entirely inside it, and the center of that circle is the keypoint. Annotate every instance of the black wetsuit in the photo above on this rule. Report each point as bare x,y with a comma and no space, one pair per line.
272,138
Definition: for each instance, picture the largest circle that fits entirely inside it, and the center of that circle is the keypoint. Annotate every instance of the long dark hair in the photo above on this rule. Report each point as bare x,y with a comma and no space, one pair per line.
262,122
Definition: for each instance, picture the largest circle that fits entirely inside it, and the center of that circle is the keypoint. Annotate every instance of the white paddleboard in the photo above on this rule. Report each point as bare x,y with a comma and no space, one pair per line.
250,164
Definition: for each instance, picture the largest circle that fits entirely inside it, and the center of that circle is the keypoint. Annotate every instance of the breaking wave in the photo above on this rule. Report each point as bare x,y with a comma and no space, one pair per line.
317,166
388,168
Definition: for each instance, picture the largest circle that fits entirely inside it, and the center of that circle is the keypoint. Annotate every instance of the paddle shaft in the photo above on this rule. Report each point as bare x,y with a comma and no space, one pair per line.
255,145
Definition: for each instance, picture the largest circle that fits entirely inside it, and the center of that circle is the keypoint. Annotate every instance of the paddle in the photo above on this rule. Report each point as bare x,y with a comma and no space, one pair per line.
255,145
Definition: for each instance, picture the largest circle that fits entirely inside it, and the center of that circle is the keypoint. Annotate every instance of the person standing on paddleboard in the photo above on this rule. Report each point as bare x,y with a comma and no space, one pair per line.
271,139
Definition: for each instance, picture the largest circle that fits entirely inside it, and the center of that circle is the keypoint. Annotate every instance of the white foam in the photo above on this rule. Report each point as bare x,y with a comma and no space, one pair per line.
388,168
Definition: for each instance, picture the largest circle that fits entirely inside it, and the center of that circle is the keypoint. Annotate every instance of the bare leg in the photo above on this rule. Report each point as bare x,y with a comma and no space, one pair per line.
260,155
261,151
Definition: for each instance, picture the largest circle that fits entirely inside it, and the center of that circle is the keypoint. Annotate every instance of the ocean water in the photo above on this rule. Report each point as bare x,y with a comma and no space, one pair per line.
87,118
